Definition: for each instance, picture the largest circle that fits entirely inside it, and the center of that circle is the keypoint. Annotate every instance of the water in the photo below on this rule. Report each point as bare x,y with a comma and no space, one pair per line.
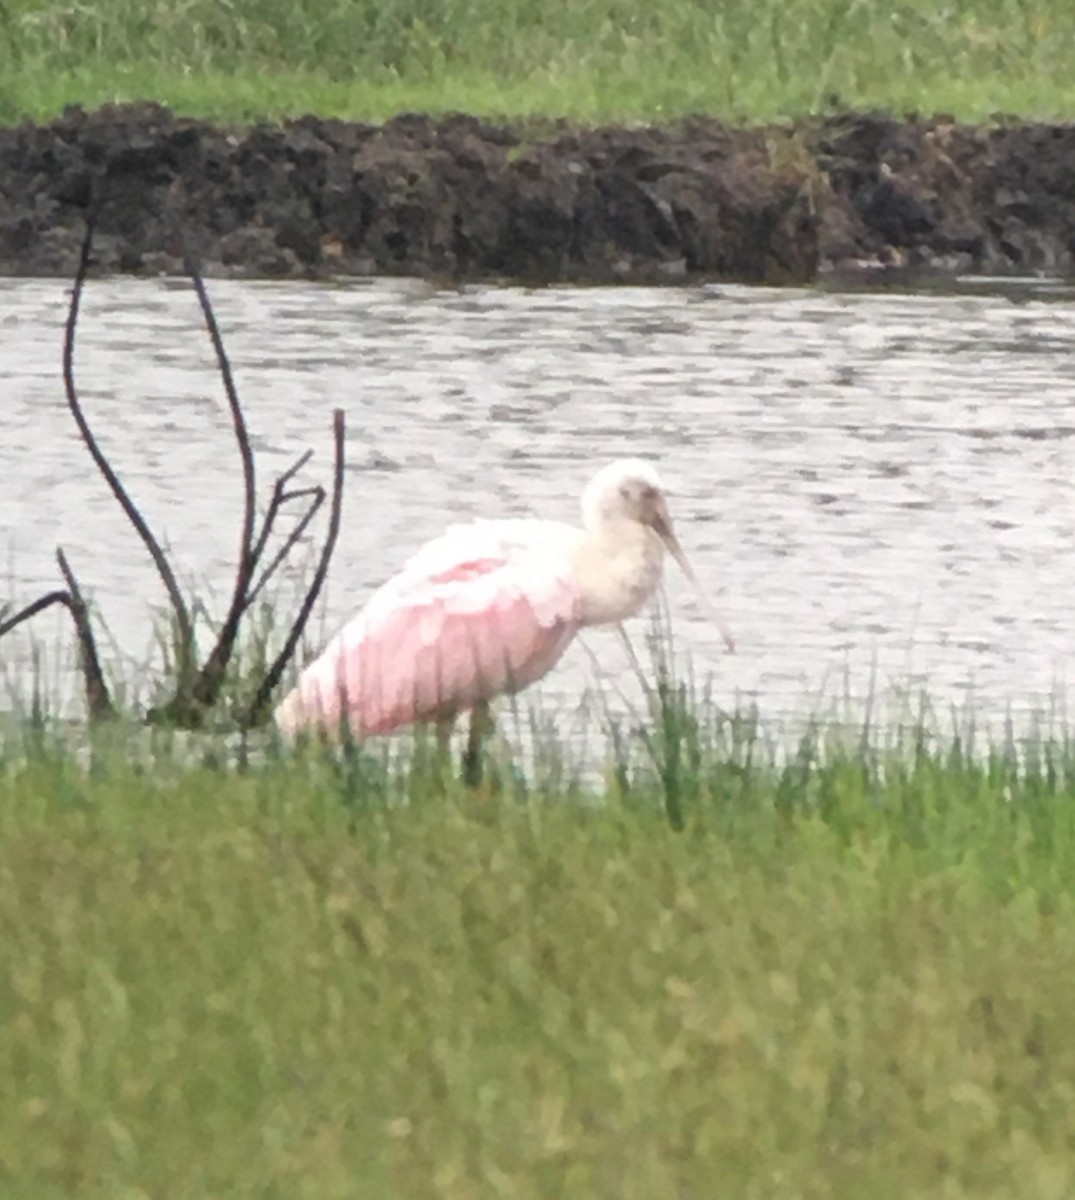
877,489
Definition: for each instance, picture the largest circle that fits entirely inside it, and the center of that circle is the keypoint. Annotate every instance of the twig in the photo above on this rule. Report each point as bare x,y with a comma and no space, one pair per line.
211,677
301,526
300,493
31,610
255,714
98,702
295,468
185,653
279,498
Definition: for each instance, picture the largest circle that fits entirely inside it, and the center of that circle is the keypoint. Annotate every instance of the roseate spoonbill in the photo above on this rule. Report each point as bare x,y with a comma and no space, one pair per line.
487,609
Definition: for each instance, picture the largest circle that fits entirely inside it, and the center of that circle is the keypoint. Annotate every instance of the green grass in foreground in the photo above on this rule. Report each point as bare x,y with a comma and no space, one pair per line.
848,976
590,59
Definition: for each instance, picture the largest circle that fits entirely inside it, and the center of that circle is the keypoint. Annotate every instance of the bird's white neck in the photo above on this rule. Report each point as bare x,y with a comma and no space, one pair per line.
619,565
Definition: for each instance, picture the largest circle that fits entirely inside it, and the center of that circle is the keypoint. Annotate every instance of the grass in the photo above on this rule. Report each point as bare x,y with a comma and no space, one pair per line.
842,973
588,59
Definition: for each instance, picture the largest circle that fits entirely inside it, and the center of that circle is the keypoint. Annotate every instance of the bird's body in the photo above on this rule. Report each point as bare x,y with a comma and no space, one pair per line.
487,609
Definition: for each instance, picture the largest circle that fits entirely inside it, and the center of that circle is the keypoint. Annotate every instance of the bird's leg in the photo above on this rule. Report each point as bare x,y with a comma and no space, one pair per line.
481,724
444,727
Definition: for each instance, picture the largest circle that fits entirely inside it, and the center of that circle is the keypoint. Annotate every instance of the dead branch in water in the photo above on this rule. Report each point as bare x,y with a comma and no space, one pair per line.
293,538
211,677
279,499
32,609
256,713
98,701
197,689
185,649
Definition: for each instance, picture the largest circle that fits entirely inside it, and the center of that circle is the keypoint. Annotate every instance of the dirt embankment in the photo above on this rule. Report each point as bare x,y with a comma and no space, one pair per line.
459,198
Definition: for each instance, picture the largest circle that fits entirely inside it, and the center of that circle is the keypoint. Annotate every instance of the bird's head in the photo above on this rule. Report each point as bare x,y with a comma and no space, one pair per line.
630,490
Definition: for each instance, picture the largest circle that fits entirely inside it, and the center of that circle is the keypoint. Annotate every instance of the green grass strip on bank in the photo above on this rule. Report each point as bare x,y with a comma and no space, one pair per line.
588,59
847,974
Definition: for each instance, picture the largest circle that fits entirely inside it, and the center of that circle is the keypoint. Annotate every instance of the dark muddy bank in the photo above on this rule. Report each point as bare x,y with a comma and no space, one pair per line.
458,198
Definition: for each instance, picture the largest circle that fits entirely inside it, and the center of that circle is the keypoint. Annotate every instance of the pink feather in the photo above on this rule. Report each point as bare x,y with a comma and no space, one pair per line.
483,610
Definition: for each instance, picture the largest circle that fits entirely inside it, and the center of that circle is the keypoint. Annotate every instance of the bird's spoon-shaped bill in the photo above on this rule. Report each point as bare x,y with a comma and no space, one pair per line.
663,525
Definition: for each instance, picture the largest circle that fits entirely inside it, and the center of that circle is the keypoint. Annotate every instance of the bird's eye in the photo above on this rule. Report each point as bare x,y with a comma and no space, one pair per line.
625,491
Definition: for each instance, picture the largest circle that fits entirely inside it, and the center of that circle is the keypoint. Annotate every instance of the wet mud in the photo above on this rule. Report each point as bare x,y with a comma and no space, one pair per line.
455,198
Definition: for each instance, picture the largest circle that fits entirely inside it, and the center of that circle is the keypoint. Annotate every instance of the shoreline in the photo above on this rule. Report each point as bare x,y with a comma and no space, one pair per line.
457,199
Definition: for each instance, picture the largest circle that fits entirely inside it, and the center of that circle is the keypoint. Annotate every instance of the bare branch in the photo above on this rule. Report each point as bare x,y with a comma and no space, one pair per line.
256,713
301,526
98,702
31,610
299,493
210,678
242,435
279,497
185,653
294,469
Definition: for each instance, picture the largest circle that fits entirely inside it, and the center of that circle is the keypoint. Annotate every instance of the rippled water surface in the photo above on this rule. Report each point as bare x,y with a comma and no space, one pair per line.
877,489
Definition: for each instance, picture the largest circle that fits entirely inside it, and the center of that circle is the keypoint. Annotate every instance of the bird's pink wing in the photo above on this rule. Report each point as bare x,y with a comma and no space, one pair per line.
481,611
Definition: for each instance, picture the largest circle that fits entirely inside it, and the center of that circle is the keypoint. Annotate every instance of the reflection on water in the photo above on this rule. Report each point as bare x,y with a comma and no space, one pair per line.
878,489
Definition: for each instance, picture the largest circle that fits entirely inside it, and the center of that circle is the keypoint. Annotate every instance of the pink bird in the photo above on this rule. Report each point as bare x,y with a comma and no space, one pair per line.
487,609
